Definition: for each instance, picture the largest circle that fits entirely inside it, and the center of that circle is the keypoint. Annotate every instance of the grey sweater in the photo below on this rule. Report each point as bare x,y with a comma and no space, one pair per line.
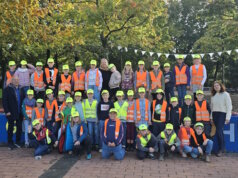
115,80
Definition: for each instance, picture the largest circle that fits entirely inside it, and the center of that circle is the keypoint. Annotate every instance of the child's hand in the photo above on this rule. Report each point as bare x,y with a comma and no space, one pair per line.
77,143
173,148
205,142
56,144
200,150
151,150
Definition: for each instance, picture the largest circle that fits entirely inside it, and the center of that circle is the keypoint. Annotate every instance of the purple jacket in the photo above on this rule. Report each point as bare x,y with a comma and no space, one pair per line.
24,75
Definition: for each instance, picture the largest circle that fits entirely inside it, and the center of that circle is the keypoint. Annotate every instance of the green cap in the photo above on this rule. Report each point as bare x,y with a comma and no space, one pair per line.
180,56
69,100
141,90
78,93
65,67
61,92
166,65
40,100
196,56
39,64
141,62
128,63
169,126
50,60
199,124
173,99
30,92
160,91
187,97
112,110
105,92
23,62
130,93
155,63
187,119
199,92
143,127
78,63
111,66
90,91
49,91
11,63
75,114
120,93
93,62
35,122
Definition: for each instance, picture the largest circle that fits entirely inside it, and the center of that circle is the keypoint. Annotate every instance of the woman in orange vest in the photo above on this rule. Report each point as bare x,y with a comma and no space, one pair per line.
159,110
9,73
65,81
156,79
78,80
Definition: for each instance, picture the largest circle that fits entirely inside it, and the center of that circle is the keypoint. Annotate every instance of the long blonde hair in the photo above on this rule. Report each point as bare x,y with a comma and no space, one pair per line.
130,73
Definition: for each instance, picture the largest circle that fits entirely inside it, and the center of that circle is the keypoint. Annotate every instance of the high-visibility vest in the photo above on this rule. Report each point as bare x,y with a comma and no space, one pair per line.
50,108
179,110
180,76
81,131
60,109
66,83
97,78
156,80
197,75
195,138
202,113
138,114
144,141
162,113
29,111
172,138
90,111
79,82
49,78
122,110
38,81
141,79
40,116
130,112
8,77
184,136
48,139
117,128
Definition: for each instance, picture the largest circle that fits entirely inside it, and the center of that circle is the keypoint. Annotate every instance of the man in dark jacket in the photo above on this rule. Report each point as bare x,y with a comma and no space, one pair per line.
11,105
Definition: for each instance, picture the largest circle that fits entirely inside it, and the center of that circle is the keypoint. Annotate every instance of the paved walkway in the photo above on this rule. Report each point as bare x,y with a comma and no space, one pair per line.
20,163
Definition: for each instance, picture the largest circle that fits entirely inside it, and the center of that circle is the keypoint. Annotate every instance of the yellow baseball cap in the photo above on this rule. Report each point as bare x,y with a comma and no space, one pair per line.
90,91
78,93
30,92
61,92
128,63
187,97
39,64
196,56
40,100
156,63
141,90
35,122
75,114
69,100
130,93
141,62
120,93
112,110
180,56
23,62
169,126
11,63
173,99
187,119
78,63
49,91
199,124
105,92
143,127
160,91
66,67
93,62
50,60
166,65
111,66
199,92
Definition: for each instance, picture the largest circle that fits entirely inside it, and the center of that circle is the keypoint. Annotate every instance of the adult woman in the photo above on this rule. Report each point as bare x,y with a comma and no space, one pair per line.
221,108
106,74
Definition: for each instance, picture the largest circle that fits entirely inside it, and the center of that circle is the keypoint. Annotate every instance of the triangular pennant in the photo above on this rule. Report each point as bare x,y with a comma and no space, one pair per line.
176,55
219,53
126,49
136,51
167,55
151,53
202,55
185,55
211,54
143,52
158,54
229,52
119,47
237,50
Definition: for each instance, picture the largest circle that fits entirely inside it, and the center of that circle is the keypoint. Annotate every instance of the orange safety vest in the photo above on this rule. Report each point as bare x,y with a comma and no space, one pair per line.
39,116
60,109
195,138
138,114
180,112
130,113
81,131
141,79
197,76
97,78
50,108
66,83
163,112
202,113
9,77
117,129
156,81
184,136
181,77
38,81
49,78
79,81
29,111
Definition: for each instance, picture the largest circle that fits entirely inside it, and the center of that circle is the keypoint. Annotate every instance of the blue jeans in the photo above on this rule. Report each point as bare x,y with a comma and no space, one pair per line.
219,121
40,149
124,135
96,92
101,125
26,124
181,93
194,151
117,151
93,132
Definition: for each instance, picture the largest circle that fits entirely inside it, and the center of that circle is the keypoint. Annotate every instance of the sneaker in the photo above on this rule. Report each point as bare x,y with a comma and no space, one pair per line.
207,159
151,156
10,146
17,145
70,152
38,157
184,155
88,157
161,157
219,154
100,150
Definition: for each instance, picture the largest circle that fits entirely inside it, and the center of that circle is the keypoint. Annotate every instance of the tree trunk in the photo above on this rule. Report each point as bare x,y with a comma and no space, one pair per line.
56,59
215,75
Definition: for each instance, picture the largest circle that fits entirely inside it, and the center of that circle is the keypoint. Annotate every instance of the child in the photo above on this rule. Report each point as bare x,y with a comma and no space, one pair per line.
37,81
9,73
41,139
50,76
80,136
182,78
127,78
27,107
66,113
78,106
142,113
159,110
103,108
169,82
199,143
130,125
146,143
90,113
198,74
121,106
78,79
156,79
203,111
39,112
184,135
168,141
61,105
175,114
93,80
65,81
188,110
115,81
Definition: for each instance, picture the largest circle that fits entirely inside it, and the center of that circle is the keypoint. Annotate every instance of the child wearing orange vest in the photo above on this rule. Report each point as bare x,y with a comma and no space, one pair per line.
39,112
160,112
169,82
27,107
78,80
156,79
202,112
9,73
175,113
65,81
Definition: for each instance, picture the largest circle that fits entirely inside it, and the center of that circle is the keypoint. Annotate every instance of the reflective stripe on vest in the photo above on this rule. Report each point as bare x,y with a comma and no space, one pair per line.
49,78
48,139
144,140
162,113
97,82
184,136
79,82
122,110
29,111
90,111
40,116
66,83
138,114
130,112
117,128
141,79
9,77
38,81
50,108
172,138
181,77
60,109
195,138
202,113
156,81
197,75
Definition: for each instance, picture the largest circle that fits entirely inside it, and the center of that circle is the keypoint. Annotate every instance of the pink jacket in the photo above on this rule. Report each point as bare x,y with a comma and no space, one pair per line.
24,75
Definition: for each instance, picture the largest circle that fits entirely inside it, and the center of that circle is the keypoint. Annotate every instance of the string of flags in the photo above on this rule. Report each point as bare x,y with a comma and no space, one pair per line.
136,51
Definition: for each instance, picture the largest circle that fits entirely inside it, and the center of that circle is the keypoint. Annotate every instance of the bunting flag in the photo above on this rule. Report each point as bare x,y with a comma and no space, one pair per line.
136,51
143,52
202,55
167,55
219,53
126,49
229,52
119,47
159,54
236,50
211,54
151,53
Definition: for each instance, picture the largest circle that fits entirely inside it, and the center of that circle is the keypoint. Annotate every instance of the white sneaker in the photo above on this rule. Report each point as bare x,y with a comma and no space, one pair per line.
100,150
184,155
38,157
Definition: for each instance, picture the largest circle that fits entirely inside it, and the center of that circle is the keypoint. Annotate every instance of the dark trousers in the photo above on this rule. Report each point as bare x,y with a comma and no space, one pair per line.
169,92
130,130
219,121
40,149
85,145
39,95
113,92
142,154
154,96
207,128
157,127
164,147
11,129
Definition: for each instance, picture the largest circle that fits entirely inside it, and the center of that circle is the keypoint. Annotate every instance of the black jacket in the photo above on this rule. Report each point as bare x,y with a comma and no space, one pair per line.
188,111
174,117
